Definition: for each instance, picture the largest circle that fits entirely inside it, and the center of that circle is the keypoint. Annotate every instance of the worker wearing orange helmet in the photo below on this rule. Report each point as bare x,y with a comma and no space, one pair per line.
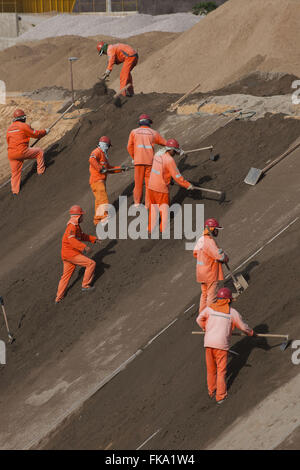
18,137
163,170
120,54
218,320
72,253
98,173
141,149
209,257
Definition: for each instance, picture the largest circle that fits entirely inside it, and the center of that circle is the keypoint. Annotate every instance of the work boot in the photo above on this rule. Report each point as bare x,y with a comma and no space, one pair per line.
221,401
87,289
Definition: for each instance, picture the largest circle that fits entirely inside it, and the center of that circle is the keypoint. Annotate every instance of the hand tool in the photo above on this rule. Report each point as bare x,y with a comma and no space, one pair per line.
221,194
283,345
55,122
254,174
211,157
239,281
175,105
10,336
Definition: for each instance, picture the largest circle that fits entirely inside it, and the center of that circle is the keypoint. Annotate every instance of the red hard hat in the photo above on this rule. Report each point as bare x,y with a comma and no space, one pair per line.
212,223
76,210
105,139
145,117
172,143
19,113
100,45
224,293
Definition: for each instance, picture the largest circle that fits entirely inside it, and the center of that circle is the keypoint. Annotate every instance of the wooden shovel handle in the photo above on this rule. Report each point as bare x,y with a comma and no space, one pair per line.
281,157
176,104
260,335
198,150
55,122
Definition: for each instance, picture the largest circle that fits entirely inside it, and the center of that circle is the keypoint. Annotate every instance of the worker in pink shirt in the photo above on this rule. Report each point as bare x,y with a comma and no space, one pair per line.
209,270
218,320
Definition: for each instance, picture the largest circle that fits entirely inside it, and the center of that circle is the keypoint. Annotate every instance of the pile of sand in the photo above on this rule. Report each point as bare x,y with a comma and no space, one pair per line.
238,38
45,63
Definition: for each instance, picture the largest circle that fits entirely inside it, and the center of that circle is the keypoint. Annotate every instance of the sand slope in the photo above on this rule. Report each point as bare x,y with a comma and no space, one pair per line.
234,40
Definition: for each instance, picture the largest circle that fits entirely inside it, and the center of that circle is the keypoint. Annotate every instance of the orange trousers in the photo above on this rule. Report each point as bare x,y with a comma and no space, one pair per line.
101,200
16,165
125,75
158,206
141,173
216,363
69,268
208,294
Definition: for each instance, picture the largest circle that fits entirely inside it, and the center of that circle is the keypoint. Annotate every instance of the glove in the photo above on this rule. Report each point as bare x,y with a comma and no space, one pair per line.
106,74
124,167
103,170
47,131
226,259
191,187
86,249
181,152
254,335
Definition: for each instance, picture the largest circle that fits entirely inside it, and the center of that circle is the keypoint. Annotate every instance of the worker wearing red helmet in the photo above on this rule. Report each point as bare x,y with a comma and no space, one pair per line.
98,173
209,268
163,170
218,320
72,253
18,137
120,54
141,149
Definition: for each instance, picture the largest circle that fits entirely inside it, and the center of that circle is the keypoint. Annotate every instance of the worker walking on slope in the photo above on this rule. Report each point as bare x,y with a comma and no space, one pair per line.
98,173
209,270
120,54
218,320
141,149
72,253
163,170
18,137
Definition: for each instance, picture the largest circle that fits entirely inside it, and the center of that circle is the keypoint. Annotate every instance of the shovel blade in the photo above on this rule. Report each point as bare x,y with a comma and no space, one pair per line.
284,345
242,281
253,176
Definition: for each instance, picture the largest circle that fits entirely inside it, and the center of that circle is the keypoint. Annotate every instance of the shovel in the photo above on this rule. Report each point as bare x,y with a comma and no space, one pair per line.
221,194
212,157
175,105
255,174
55,122
10,336
283,345
239,281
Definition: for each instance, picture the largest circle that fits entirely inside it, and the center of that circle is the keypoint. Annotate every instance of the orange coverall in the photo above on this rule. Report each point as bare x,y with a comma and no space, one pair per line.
18,137
141,149
163,169
209,269
71,253
122,53
218,321
98,162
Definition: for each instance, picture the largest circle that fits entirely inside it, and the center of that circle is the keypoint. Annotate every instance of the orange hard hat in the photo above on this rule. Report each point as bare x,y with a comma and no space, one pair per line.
212,223
76,210
224,293
105,139
19,113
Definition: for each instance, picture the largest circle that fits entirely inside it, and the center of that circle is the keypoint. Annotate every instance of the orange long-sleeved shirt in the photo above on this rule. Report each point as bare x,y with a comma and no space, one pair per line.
118,53
141,144
72,241
18,136
98,162
163,170
209,260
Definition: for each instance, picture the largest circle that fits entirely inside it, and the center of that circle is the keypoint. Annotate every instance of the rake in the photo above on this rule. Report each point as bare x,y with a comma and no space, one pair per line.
282,347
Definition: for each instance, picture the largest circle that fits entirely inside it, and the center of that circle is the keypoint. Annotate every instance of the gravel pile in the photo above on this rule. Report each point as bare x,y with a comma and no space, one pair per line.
116,26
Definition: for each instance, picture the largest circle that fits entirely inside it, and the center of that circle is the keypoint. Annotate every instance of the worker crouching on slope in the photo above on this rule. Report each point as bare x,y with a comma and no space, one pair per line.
218,320
18,137
209,270
120,54
72,253
141,149
98,173
163,169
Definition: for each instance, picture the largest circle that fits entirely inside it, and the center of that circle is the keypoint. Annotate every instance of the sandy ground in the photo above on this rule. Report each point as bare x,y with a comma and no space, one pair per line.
98,333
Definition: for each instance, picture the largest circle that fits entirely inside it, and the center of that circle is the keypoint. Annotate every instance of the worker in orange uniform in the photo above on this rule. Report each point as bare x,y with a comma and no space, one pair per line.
18,137
120,54
98,173
210,259
72,253
218,320
163,170
141,149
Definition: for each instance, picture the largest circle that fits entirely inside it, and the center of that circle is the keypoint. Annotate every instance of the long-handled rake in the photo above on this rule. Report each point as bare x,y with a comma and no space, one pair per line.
283,345
10,336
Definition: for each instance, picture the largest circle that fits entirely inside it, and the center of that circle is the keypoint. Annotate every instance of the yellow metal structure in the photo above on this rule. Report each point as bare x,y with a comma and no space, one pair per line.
66,6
